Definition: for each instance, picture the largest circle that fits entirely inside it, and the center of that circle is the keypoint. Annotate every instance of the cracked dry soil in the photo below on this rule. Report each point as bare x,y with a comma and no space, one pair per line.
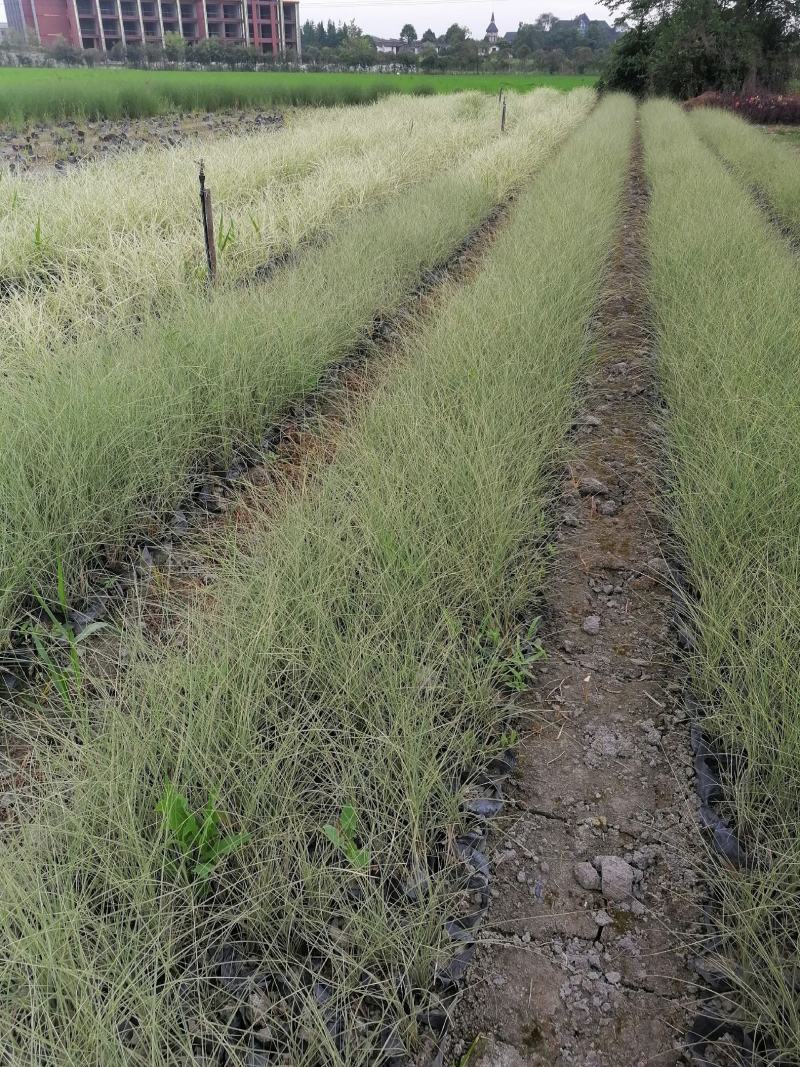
41,147
583,960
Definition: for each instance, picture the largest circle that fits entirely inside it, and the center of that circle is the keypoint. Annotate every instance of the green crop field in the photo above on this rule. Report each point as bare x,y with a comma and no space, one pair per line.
278,631
27,94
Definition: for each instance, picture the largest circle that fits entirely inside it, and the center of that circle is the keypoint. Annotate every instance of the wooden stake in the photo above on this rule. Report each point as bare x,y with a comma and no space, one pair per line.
208,226
503,117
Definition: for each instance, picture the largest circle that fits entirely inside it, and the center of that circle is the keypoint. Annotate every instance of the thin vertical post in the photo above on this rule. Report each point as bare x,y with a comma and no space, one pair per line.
207,215
503,117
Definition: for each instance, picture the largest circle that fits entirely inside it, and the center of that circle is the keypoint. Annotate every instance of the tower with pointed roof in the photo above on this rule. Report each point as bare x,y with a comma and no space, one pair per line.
492,33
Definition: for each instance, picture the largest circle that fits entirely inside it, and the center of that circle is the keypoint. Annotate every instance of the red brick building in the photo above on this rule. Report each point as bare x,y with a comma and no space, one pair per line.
272,26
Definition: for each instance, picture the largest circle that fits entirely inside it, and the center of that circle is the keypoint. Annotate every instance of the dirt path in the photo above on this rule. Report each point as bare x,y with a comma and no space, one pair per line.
579,962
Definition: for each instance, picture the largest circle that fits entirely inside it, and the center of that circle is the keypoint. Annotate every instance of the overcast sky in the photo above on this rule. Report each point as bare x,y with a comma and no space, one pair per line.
387,17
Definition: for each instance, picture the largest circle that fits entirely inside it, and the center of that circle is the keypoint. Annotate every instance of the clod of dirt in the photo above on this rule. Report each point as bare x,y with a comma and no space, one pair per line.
659,567
616,878
592,487
591,625
586,876
497,1054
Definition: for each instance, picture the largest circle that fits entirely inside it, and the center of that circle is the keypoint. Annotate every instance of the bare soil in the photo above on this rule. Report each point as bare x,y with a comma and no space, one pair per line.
60,145
583,960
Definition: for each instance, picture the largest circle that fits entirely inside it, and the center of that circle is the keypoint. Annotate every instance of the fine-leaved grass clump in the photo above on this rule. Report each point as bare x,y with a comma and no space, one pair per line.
725,292
117,241
99,441
760,160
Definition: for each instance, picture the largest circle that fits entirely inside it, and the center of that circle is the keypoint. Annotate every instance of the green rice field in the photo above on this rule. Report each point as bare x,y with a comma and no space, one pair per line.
46,94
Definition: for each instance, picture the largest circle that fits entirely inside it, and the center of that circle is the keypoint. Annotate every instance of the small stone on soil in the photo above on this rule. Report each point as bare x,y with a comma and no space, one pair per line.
591,625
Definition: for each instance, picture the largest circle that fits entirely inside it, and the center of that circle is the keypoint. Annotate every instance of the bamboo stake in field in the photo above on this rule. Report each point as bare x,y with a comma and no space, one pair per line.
208,225
503,117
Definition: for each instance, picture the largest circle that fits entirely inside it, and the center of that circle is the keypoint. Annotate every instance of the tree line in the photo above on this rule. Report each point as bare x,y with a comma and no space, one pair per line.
548,44
682,48
211,51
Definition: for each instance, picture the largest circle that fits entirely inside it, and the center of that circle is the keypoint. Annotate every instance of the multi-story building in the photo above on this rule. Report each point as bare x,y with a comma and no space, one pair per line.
272,26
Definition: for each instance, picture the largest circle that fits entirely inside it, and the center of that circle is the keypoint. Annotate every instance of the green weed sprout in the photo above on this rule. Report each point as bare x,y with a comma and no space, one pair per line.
516,669
60,632
225,235
343,837
199,840
515,661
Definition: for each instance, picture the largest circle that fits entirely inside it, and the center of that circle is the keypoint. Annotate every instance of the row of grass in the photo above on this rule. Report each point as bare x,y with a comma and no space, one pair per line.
726,291
759,159
93,445
337,661
44,94
116,241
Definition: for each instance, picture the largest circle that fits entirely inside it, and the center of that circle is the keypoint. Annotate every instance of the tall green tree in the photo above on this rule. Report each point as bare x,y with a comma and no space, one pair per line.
174,47
455,35
685,46
467,55
408,33
358,51
309,35
583,57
